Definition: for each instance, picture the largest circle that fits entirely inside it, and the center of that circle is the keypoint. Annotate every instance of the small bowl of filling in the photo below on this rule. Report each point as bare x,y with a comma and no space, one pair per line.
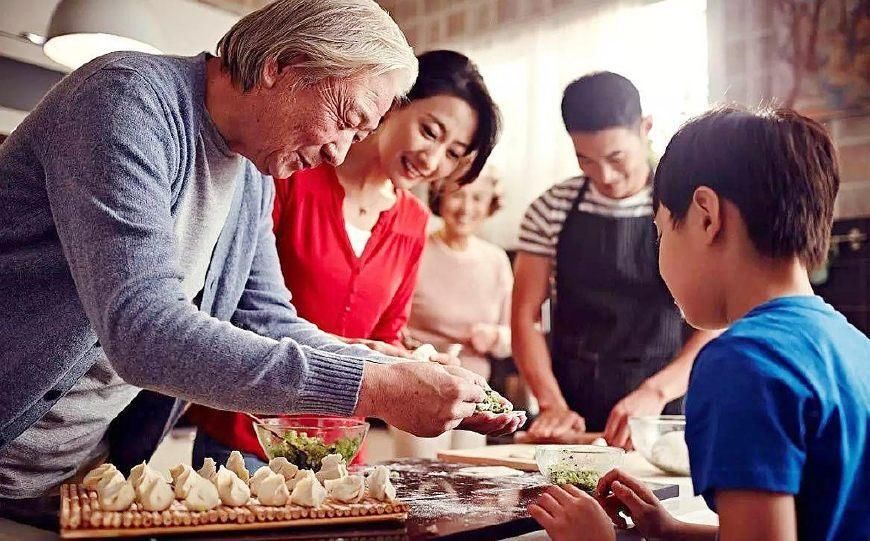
578,465
661,440
304,439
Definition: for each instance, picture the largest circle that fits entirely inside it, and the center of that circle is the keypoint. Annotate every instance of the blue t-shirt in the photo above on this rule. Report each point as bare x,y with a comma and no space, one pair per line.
781,403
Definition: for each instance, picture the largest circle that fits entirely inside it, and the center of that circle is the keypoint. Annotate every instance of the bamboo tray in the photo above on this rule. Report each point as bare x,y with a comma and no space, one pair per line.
81,516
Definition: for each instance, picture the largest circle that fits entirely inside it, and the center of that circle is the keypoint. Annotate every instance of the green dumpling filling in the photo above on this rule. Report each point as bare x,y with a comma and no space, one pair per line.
494,403
567,474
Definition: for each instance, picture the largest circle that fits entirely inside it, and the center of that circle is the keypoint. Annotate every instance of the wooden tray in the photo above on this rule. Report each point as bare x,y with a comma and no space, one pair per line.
520,456
81,517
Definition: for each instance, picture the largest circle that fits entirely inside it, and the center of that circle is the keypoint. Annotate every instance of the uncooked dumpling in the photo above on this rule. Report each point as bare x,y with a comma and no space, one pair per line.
153,491
136,473
350,489
203,495
379,484
208,470
93,477
109,477
259,476
308,493
273,491
300,475
236,464
117,494
281,466
232,490
332,467
182,477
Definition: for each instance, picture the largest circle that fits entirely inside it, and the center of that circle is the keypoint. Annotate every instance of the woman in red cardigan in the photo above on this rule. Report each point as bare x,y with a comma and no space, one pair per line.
350,238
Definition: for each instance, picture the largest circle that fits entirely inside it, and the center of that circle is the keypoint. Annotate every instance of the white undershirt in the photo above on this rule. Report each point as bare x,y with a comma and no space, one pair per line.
358,238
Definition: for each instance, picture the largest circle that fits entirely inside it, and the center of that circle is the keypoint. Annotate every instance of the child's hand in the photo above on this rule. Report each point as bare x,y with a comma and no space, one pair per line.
618,491
563,511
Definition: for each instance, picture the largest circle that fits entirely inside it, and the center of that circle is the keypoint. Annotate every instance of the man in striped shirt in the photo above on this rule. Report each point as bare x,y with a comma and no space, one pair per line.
618,345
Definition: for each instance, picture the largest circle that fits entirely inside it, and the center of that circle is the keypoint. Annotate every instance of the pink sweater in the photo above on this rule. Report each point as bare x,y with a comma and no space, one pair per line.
457,289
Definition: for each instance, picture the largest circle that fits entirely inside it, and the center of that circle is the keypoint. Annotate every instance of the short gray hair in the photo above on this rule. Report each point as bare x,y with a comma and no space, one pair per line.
325,38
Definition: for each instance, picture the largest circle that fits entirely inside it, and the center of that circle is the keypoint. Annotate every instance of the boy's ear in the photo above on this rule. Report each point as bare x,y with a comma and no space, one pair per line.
709,207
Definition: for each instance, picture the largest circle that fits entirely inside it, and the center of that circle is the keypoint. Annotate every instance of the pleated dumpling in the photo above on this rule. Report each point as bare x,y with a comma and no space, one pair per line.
203,494
332,467
236,464
282,466
93,477
308,492
380,486
273,490
116,493
259,476
208,470
153,491
232,491
349,489
182,478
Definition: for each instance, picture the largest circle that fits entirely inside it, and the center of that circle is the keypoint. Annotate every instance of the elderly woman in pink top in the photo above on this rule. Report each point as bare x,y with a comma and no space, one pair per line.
463,293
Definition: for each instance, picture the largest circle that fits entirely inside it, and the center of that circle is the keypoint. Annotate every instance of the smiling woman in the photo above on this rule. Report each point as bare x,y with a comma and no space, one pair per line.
350,238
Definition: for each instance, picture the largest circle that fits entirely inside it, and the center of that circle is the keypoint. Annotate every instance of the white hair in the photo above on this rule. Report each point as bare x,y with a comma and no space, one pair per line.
325,38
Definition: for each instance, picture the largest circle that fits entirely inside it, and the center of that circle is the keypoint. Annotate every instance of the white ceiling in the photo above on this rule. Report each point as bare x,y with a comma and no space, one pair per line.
188,27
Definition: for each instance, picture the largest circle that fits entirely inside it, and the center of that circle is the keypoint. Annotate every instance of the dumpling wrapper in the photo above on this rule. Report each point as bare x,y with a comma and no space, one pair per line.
332,467
117,494
208,470
273,490
182,477
350,489
232,491
93,477
308,493
259,476
109,477
424,352
236,464
380,486
136,473
203,495
153,491
283,467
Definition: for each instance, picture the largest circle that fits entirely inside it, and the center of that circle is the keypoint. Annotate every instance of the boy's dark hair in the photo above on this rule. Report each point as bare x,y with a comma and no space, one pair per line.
779,168
453,74
598,101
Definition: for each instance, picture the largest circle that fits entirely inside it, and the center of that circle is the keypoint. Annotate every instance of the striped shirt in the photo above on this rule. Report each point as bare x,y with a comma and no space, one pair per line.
542,224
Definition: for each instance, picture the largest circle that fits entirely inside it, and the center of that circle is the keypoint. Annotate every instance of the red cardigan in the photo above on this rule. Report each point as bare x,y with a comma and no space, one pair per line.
355,297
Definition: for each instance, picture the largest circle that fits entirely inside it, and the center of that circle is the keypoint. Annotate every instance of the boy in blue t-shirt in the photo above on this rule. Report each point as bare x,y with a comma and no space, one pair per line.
778,407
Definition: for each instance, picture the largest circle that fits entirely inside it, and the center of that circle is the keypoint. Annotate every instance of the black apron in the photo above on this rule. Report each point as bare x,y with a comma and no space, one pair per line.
615,323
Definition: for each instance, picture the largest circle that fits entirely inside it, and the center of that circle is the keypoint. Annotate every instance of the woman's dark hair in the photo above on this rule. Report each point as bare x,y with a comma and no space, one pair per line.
448,73
598,101
777,167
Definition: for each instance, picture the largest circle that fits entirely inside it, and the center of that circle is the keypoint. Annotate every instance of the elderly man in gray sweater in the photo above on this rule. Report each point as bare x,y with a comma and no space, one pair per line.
136,245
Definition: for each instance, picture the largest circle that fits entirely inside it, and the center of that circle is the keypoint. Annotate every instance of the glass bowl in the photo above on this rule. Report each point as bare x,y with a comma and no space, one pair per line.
305,439
661,440
580,465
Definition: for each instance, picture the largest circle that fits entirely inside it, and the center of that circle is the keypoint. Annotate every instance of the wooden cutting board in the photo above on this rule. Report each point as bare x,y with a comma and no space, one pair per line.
81,517
518,455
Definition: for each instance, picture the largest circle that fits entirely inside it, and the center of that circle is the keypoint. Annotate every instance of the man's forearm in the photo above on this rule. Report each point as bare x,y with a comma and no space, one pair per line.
535,364
672,381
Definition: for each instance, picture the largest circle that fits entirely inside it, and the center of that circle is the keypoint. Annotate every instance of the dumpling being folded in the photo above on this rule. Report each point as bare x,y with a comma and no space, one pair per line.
259,476
153,491
281,466
117,494
208,470
182,477
379,484
350,489
308,493
332,467
300,475
273,490
232,490
203,494
93,477
236,464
